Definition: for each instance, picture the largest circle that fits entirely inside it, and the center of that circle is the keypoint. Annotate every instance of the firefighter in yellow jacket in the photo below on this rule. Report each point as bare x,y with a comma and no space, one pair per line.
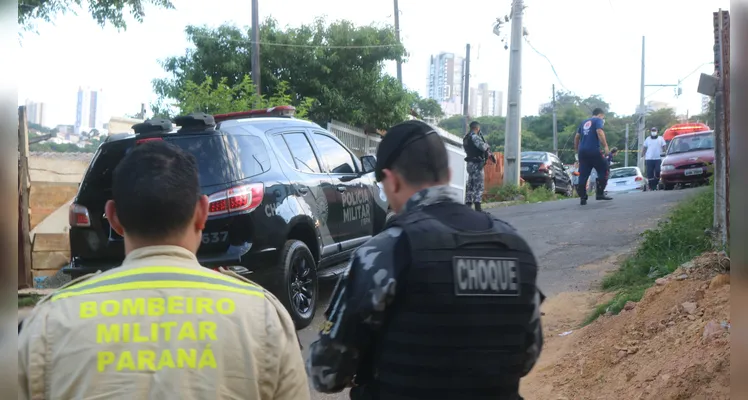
160,326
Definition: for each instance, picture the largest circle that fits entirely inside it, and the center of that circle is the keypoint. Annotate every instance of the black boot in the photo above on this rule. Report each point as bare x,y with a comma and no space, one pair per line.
469,205
601,194
582,192
477,207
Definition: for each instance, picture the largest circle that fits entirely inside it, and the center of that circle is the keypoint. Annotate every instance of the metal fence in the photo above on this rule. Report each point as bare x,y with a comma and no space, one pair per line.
362,143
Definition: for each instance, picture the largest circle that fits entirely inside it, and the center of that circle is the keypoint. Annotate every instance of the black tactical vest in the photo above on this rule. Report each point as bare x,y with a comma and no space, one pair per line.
460,323
472,152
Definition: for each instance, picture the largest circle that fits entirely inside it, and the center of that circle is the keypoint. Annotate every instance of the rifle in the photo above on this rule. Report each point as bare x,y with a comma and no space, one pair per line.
489,154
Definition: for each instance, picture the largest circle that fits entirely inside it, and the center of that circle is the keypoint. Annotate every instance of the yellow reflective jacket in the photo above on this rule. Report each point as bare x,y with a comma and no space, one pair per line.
160,327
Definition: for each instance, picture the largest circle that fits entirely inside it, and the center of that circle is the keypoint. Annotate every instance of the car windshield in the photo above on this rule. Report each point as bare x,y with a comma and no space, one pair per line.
685,144
534,156
622,173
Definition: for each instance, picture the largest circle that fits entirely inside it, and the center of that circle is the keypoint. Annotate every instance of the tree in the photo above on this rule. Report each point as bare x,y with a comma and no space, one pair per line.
426,108
661,119
103,11
338,64
222,98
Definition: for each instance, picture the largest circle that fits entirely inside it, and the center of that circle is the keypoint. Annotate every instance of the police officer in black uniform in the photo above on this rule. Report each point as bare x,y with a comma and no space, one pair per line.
443,304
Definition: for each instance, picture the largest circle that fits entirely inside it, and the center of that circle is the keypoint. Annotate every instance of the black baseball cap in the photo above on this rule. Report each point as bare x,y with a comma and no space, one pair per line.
396,140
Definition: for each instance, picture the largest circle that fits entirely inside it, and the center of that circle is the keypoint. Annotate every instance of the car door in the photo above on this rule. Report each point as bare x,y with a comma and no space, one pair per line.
353,207
559,173
311,184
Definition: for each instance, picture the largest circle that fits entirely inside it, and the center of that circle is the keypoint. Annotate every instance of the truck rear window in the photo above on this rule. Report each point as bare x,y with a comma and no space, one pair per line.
208,150
210,153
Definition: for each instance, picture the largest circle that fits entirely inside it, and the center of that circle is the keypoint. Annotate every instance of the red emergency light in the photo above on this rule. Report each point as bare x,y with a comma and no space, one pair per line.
680,129
278,111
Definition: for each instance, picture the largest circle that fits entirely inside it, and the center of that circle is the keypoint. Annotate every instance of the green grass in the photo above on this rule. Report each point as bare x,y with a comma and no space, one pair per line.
28,301
522,193
677,239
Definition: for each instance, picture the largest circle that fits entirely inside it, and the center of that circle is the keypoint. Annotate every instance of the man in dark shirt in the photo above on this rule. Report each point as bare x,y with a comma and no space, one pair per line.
442,304
590,136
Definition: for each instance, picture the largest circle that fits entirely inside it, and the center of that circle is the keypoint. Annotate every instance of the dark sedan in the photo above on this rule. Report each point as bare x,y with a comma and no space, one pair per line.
540,168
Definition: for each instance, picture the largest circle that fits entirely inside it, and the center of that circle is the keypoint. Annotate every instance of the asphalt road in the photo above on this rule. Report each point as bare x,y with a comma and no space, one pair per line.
564,236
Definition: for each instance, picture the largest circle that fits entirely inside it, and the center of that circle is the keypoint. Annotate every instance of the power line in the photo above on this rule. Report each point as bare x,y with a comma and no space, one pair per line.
582,102
549,63
682,79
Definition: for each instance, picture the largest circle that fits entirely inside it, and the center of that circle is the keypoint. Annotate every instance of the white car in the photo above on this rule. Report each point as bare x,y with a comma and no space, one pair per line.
626,180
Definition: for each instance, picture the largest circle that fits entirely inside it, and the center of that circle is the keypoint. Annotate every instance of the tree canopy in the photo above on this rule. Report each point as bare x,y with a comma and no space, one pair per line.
102,11
338,64
222,98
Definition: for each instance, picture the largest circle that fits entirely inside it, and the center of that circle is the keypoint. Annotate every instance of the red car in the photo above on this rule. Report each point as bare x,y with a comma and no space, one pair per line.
689,160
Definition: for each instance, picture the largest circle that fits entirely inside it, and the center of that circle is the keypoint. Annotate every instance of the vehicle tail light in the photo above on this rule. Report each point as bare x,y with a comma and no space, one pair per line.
639,178
244,198
141,141
78,216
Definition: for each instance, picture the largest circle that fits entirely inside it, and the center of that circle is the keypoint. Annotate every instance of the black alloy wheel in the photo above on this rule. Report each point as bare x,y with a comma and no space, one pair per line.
297,286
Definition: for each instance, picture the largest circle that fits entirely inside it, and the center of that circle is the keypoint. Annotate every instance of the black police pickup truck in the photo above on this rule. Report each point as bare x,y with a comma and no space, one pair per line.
288,201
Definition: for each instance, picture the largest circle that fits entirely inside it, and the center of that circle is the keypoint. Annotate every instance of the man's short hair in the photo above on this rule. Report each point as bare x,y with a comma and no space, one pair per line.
155,189
598,111
423,160
474,124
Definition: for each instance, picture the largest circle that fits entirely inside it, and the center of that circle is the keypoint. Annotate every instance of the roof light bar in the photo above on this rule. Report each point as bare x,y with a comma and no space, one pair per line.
278,111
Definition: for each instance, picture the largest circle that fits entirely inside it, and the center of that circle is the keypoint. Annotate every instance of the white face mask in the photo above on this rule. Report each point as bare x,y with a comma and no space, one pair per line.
653,134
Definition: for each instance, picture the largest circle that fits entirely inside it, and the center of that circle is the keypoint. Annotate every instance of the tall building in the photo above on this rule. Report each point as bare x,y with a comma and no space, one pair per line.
705,100
655,105
88,114
445,81
486,102
35,113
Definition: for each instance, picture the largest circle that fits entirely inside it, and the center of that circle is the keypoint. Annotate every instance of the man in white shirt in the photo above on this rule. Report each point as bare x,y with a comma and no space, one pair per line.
653,147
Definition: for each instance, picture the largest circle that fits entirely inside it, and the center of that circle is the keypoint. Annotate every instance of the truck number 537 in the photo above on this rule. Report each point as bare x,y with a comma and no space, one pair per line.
215,237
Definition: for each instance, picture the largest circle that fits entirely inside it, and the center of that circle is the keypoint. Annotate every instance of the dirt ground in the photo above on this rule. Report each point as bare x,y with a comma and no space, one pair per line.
673,344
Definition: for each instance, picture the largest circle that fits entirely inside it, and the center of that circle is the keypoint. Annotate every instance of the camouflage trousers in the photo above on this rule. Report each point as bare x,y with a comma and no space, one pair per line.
475,185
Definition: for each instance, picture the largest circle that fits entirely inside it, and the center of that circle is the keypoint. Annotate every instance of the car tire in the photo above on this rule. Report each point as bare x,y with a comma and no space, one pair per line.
569,192
551,185
297,286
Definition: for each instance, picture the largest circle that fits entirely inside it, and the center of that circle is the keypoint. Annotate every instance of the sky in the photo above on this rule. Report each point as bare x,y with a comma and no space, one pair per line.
594,45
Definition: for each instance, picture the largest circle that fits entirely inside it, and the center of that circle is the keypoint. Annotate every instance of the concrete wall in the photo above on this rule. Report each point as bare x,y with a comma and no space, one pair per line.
54,182
58,167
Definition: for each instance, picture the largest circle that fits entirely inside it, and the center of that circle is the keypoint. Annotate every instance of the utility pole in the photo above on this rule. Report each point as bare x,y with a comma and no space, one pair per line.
555,127
397,35
513,138
466,87
24,190
256,46
626,149
720,148
642,117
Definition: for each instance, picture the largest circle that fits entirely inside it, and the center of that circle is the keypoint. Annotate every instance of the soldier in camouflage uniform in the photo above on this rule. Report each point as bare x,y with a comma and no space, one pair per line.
442,304
477,151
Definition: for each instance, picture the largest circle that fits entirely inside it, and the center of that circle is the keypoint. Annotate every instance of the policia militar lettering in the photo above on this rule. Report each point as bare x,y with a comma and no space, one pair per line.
443,304
477,153
160,326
